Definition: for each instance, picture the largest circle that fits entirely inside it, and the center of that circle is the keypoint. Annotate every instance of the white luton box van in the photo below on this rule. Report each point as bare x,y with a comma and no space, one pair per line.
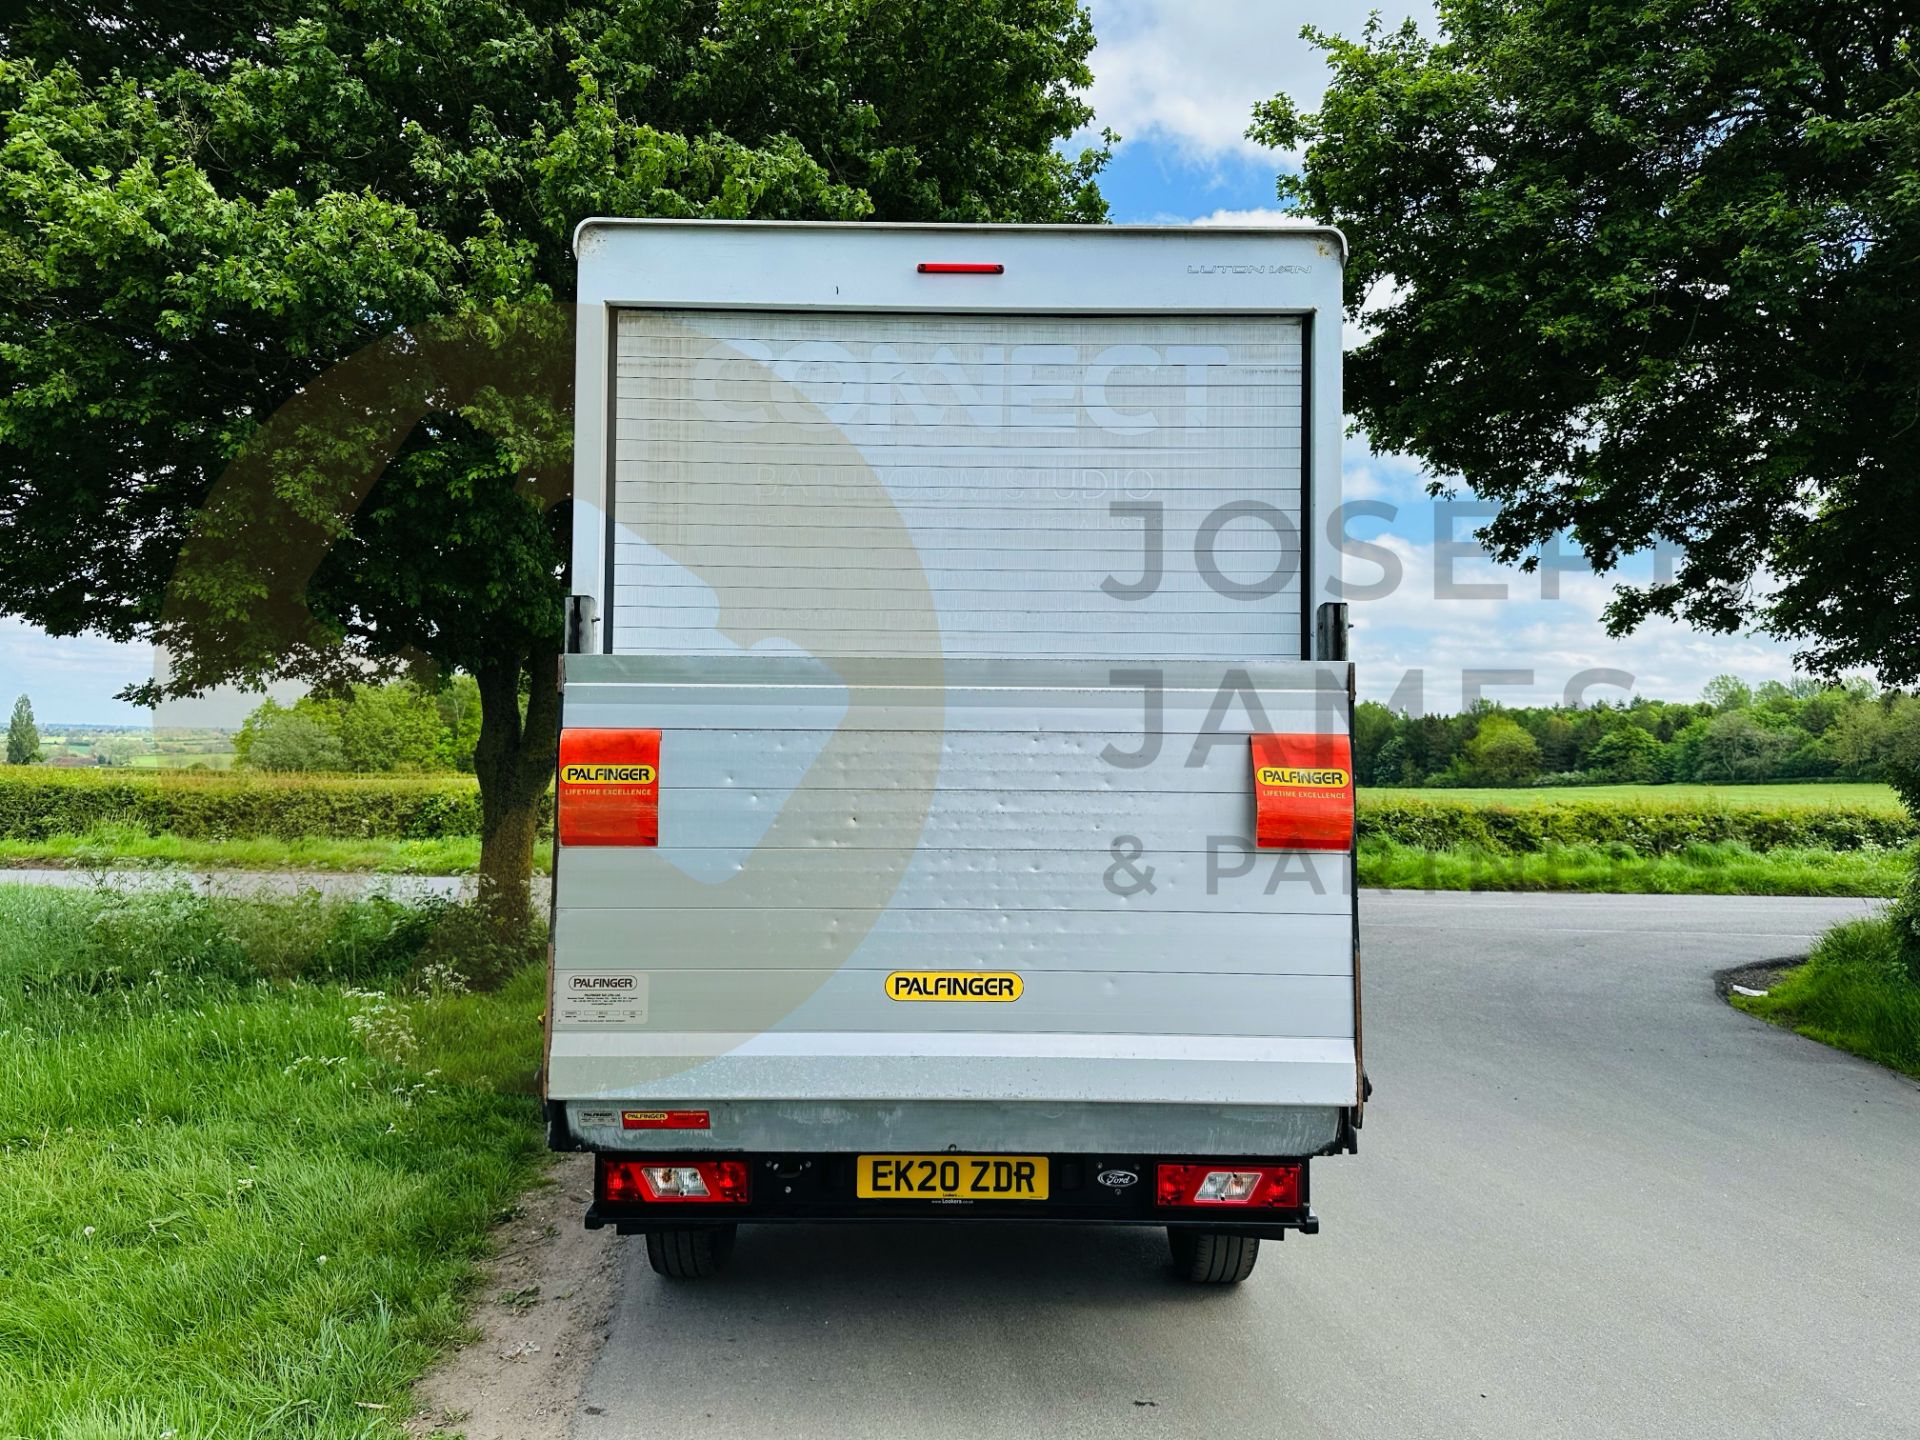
955,802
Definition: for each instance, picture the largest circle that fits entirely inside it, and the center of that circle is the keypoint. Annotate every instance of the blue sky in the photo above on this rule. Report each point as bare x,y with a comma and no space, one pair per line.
1178,81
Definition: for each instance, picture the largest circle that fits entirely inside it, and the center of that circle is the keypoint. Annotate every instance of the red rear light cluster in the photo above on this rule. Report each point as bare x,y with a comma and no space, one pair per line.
1256,1186
676,1181
960,267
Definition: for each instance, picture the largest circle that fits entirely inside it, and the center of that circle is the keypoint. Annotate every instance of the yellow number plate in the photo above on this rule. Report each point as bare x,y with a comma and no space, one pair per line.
952,1177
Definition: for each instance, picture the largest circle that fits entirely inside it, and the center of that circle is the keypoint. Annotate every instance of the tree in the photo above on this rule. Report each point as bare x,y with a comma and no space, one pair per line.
1390,765
1374,725
1501,753
1627,756
1857,741
459,705
385,728
1649,276
204,207
23,736
280,738
1727,692
1736,747
1559,742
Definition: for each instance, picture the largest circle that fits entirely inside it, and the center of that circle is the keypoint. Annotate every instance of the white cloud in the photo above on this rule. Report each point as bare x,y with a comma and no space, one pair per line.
1278,219
1426,625
1189,74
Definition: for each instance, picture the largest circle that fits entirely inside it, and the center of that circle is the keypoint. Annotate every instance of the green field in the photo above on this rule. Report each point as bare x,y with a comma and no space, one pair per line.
249,1155
217,760
1817,795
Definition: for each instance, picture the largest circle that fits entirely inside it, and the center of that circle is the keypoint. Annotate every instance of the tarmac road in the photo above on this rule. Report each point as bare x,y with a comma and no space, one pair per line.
1591,1200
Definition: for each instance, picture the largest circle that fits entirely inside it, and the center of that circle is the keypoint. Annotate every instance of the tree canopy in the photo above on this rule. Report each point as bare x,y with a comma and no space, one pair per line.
205,206
1648,271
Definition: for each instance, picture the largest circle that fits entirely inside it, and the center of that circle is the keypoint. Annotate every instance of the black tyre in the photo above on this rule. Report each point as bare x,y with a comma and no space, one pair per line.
689,1254
1210,1257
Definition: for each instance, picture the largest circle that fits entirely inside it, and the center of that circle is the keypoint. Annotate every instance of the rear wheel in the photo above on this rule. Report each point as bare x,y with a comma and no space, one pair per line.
689,1254
1212,1257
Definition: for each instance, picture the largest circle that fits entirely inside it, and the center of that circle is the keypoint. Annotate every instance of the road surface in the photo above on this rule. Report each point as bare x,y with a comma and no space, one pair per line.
1591,1201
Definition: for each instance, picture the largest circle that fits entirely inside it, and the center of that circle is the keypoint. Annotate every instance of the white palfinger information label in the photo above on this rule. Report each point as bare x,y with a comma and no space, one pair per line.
601,997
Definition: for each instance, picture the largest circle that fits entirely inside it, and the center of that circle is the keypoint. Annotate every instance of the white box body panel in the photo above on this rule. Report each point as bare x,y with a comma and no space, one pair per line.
948,594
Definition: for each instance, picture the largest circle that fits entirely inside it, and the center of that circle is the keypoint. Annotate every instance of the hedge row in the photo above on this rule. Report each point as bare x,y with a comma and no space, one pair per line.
35,804
1645,828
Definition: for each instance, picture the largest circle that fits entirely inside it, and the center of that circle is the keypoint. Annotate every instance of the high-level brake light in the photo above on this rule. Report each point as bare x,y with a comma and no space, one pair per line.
960,267
1275,1186
706,1182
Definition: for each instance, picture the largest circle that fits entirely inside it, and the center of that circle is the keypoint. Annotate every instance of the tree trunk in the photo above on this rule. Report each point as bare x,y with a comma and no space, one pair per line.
513,761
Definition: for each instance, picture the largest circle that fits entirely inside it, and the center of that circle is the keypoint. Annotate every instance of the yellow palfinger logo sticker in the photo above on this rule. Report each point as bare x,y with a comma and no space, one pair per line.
1303,778
608,774
985,986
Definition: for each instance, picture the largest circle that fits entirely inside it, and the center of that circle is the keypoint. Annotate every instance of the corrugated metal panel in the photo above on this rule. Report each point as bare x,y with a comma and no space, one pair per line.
956,819
961,485
969,760
817,831
1089,1002
1120,936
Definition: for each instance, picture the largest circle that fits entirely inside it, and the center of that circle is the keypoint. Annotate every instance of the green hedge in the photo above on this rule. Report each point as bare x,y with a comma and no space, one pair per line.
1647,829
37,803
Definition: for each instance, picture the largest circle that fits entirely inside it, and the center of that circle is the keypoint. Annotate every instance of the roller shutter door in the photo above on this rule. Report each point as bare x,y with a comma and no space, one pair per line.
1123,488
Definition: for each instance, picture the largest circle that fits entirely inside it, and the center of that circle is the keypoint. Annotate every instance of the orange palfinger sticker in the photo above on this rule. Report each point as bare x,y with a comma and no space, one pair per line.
609,787
1302,792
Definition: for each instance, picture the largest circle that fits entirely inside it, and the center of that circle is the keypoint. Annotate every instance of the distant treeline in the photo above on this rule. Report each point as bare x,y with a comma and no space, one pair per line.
1736,734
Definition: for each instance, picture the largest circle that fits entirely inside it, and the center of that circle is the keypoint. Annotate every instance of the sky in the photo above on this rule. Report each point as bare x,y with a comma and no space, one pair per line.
1178,81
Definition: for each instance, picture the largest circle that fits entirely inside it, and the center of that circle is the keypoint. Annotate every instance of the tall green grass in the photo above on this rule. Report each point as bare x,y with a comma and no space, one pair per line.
249,1152
110,845
1854,992
1725,868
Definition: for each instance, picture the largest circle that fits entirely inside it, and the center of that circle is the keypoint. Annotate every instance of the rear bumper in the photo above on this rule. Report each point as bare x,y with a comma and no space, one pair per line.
1078,1127
1084,1189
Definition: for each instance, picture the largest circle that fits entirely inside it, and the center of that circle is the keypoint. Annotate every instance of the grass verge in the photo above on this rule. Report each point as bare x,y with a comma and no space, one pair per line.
120,845
249,1153
1727,868
1853,993
1812,795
